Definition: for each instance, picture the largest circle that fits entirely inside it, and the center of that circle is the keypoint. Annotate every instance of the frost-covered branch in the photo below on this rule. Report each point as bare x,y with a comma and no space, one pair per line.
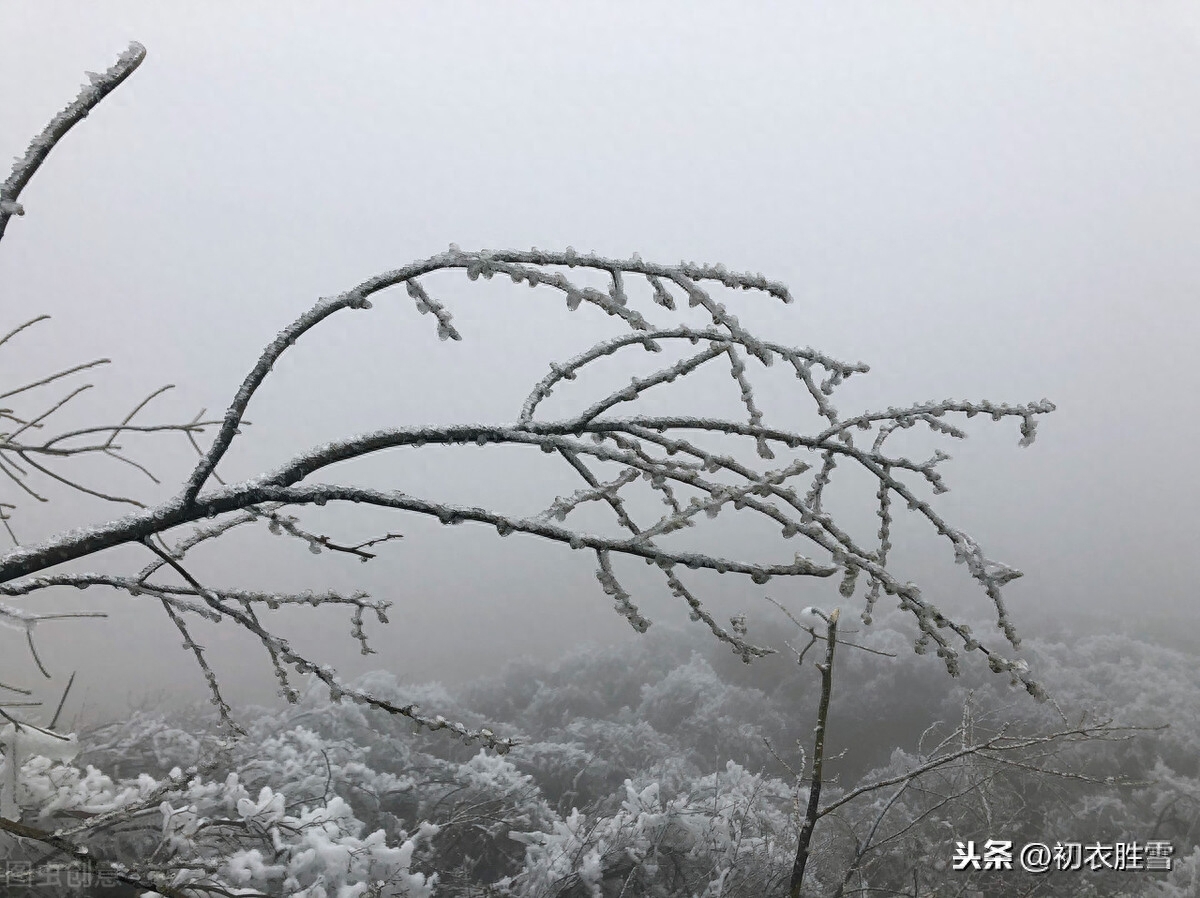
27,451
817,780
642,445
697,467
98,87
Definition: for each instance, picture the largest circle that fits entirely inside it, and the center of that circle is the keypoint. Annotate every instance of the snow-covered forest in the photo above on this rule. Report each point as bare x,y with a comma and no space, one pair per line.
663,768
825,683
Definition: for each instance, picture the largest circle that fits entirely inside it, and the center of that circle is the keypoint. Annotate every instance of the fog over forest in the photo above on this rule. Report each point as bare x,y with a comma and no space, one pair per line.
986,201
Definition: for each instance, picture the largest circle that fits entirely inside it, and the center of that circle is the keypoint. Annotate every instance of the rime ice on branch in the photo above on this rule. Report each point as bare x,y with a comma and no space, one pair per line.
614,452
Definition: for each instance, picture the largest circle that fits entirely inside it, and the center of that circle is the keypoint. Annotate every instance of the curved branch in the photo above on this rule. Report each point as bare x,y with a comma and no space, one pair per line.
89,97
518,265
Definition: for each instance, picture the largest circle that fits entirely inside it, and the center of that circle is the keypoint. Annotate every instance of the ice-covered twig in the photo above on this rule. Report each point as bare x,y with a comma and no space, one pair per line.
98,87
675,455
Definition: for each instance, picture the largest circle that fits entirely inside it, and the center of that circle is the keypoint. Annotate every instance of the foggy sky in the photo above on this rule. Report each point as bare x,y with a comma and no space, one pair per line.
985,200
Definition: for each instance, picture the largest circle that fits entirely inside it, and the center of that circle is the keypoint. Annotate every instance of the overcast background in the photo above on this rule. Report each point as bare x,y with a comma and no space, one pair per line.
984,200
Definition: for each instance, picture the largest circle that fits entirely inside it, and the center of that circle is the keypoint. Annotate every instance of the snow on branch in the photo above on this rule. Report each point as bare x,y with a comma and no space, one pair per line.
31,454
98,87
645,448
690,464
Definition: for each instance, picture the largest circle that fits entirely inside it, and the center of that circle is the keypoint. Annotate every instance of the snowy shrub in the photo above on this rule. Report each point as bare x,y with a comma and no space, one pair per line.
728,836
715,720
186,832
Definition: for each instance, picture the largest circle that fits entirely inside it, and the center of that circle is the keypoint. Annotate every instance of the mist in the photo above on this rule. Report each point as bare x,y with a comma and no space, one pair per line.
985,201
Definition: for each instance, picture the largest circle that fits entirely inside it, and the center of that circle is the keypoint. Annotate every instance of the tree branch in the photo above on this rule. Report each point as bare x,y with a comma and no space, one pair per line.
812,814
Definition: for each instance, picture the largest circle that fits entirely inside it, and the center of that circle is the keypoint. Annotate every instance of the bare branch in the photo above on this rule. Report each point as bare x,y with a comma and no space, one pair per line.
53,377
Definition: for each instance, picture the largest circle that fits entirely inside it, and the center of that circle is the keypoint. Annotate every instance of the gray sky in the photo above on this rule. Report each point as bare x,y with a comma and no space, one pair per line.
985,200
